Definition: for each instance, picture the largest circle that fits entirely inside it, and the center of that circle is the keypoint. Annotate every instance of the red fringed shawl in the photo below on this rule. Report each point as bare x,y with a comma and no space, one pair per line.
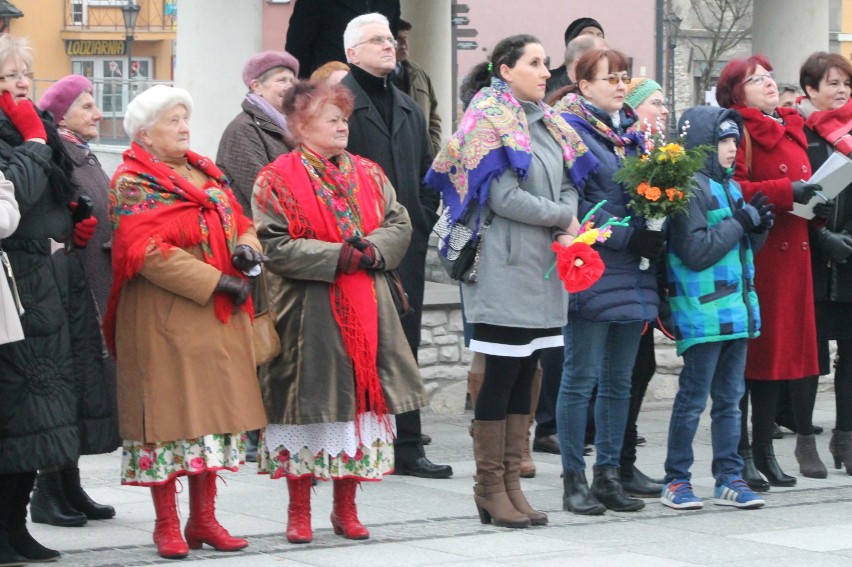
329,202
835,126
151,205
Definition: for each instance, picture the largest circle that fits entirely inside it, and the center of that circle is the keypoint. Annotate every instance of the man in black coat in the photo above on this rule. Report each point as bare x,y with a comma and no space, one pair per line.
388,127
315,33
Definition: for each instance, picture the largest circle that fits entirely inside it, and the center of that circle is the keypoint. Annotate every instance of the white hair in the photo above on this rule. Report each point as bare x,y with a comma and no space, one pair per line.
144,110
352,33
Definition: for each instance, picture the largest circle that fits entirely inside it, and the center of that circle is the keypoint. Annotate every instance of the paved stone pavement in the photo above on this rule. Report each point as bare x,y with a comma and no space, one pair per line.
433,522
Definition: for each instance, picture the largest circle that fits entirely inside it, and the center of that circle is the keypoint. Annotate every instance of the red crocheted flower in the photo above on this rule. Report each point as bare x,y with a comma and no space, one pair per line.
579,266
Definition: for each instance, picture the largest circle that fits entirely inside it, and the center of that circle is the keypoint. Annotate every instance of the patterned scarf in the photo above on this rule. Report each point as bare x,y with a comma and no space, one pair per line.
331,202
493,136
152,205
580,113
834,126
74,138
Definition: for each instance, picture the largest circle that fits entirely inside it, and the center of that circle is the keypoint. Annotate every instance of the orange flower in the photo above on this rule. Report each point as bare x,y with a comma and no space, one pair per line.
642,188
653,193
680,194
671,193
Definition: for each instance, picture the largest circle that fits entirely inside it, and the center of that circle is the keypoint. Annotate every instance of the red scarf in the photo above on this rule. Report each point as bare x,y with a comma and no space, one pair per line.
834,126
150,204
328,202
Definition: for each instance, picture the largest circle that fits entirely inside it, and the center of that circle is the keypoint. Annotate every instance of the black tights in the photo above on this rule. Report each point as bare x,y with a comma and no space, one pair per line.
764,404
843,386
506,387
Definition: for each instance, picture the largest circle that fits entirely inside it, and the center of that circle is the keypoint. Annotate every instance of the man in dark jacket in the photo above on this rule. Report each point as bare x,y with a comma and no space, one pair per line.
581,26
315,33
388,127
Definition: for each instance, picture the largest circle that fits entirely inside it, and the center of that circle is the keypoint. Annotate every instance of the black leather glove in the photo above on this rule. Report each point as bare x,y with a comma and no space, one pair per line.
237,287
646,243
804,191
824,210
245,258
837,245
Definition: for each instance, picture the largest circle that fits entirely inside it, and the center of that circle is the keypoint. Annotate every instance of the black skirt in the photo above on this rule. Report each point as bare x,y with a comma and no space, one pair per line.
513,341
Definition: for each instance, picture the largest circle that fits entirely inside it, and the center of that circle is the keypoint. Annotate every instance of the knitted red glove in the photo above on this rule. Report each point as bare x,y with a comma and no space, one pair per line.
84,231
23,116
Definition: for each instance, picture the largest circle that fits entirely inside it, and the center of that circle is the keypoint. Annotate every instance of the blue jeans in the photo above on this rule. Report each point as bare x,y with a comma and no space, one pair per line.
715,369
602,355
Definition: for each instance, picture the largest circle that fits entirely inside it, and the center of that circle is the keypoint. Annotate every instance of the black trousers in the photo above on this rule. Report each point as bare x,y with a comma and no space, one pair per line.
643,370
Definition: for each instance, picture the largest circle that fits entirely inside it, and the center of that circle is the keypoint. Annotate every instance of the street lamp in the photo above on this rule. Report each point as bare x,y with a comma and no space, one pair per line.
130,12
672,28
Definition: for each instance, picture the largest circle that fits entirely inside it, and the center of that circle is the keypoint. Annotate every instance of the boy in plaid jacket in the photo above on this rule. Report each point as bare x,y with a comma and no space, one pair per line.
710,277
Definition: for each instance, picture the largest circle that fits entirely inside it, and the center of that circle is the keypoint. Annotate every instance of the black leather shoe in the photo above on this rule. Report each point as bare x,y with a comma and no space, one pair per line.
818,429
606,486
48,505
577,497
423,468
425,439
765,462
546,444
776,432
636,483
751,474
81,501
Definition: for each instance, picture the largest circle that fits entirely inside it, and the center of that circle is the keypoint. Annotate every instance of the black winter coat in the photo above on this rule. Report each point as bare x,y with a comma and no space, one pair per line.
38,391
405,156
315,32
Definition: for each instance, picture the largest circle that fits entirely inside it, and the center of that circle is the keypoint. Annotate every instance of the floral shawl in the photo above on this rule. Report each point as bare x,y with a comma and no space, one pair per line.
331,202
151,205
494,136
580,113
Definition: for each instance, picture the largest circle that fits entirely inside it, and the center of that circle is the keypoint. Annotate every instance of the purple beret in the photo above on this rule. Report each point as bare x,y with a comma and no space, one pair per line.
59,97
262,62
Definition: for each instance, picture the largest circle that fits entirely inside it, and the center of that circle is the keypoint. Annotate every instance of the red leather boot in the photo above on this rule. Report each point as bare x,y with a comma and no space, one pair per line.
202,526
299,510
344,514
170,544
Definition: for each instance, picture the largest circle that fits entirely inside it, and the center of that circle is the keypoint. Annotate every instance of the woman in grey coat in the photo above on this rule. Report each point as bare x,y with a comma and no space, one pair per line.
509,171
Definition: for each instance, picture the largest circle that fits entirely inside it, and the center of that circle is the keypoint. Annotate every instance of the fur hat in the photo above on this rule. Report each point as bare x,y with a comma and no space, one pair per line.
639,89
262,62
59,96
578,25
144,110
728,129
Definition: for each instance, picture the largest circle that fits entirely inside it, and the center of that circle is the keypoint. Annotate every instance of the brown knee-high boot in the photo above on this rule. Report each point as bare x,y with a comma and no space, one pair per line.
527,464
517,438
492,502
474,385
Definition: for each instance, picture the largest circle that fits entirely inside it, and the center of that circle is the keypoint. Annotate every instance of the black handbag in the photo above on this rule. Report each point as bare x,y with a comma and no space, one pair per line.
398,294
459,248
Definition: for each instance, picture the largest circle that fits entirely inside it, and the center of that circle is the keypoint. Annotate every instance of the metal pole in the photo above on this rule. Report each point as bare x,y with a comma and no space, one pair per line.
129,42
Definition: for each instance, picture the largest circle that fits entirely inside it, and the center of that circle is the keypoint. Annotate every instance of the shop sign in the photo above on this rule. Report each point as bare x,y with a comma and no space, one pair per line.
95,47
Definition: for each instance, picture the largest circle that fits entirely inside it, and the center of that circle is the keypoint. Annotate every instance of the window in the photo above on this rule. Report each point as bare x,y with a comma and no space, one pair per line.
109,75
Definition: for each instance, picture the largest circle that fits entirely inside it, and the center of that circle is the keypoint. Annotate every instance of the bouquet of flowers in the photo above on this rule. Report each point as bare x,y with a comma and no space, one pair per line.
579,265
660,181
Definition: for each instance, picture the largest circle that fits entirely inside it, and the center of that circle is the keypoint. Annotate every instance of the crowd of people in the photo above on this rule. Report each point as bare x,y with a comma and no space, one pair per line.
128,303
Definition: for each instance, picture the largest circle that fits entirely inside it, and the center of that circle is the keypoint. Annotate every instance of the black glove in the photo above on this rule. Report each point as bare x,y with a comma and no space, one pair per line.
824,210
836,245
757,216
236,286
804,191
367,248
747,216
245,258
646,243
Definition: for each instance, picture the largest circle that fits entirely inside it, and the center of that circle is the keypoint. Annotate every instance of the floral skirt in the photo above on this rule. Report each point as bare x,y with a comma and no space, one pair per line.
145,464
328,450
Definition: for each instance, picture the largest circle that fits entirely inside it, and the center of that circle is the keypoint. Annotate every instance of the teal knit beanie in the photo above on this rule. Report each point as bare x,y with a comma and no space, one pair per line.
639,89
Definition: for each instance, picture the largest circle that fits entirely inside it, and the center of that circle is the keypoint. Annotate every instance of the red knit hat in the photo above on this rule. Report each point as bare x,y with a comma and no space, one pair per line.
59,96
262,62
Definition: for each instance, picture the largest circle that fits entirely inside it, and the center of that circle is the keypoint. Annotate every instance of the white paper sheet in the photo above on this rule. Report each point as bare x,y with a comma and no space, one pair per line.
834,176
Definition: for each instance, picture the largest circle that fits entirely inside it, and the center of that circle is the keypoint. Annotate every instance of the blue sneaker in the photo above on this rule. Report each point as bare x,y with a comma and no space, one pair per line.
678,495
737,493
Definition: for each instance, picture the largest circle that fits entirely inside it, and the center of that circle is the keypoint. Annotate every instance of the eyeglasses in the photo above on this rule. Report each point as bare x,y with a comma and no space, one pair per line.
658,103
613,79
379,40
15,77
759,79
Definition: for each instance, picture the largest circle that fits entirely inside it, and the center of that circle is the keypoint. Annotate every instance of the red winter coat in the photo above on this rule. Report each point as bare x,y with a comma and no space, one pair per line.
787,346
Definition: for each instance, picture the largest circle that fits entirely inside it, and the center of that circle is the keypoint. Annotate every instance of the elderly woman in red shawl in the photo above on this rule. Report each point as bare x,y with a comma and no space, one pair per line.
179,320
331,226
